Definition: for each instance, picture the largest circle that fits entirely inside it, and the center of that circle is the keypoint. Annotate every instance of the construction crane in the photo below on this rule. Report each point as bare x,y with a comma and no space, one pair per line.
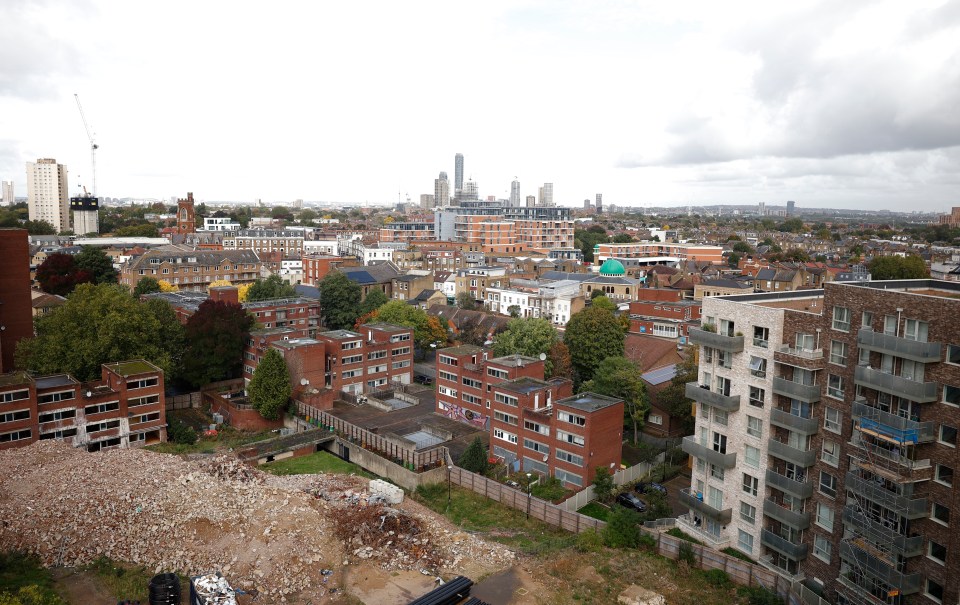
93,145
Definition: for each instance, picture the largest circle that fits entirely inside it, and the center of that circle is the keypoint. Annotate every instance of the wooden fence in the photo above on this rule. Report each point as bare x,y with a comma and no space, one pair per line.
621,477
413,459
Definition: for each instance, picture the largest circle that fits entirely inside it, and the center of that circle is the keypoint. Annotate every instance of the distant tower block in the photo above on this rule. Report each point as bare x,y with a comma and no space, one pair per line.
599,203
790,208
86,217
515,193
458,174
186,218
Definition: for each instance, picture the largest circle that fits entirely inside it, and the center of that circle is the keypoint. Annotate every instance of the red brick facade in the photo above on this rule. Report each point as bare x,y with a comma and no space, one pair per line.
16,308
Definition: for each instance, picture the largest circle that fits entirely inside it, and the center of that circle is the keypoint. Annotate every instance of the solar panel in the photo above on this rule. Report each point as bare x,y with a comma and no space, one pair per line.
660,375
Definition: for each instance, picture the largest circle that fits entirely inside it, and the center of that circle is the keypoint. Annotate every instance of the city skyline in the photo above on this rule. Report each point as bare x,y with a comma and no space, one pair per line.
852,107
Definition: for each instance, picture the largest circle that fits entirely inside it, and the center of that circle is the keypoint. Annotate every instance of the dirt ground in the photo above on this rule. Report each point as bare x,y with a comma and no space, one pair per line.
80,587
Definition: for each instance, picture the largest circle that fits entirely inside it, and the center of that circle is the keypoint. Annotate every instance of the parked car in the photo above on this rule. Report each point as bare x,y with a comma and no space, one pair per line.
425,380
628,500
643,487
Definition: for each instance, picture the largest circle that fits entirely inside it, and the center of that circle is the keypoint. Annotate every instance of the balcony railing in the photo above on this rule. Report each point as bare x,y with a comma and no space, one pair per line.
732,344
809,393
892,427
689,499
879,533
792,518
882,457
728,403
689,525
921,392
911,508
692,447
783,546
879,569
792,422
924,352
793,487
791,454
801,353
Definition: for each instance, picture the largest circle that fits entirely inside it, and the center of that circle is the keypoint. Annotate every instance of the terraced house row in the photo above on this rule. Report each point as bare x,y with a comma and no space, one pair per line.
826,437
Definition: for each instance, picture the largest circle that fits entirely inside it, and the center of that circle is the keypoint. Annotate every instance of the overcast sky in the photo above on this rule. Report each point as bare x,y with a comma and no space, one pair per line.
840,104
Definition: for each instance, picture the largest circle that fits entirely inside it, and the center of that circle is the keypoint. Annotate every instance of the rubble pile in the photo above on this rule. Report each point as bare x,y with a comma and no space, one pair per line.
231,469
388,536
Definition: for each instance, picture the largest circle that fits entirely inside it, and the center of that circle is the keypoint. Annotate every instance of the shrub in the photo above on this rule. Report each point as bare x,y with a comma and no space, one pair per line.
733,552
647,542
676,532
623,528
758,595
178,432
589,541
717,578
686,554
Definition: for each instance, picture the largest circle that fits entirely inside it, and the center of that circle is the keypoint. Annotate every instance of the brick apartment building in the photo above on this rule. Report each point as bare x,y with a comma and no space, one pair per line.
826,437
364,361
16,309
669,316
287,243
602,252
190,269
535,425
125,408
317,266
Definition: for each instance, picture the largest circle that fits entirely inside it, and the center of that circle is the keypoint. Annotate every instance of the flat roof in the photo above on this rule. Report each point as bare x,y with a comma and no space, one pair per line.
919,287
514,361
57,380
385,327
340,334
588,402
297,342
524,384
14,378
460,350
129,368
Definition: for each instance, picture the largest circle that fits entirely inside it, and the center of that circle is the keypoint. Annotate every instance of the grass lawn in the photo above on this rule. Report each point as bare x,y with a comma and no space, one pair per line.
318,462
595,510
20,571
227,437
125,581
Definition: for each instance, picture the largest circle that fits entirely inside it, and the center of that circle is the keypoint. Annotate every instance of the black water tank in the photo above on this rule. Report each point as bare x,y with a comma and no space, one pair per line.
165,589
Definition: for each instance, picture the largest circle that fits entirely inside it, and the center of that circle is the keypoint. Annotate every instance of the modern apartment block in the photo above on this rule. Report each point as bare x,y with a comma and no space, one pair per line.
125,408
826,436
535,425
602,252
47,198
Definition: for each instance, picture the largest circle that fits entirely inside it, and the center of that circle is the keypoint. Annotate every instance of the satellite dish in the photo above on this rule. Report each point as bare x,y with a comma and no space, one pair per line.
543,356
545,456
89,393
304,382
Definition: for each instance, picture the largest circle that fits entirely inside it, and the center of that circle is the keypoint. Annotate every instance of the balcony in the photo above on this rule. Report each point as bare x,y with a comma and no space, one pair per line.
879,533
791,518
731,344
793,487
792,422
692,447
891,427
878,569
924,352
690,526
728,403
783,546
911,508
921,392
689,499
809,393
801,358
791,454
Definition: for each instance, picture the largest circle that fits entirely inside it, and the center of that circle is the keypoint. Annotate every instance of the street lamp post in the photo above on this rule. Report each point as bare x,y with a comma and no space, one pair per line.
449,470
528,495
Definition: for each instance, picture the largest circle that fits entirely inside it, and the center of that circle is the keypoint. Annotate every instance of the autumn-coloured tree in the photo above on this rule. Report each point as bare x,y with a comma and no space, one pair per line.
59,274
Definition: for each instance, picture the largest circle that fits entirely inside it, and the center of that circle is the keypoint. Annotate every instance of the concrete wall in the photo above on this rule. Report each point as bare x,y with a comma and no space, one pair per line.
382,467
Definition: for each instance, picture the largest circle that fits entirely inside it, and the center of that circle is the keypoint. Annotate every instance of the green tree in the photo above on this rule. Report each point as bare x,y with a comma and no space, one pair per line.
39,228
306,216
603,302
146,285
733,260
466,301
623,528
339,301
101,324
657,505
215,337
59,274
269,389
426,330
374,300
743,248
558,360
603,485
592,335
95,261
31,595
270,288
896,267
622,238
791,225
474,458
530,336
141,230
619,377
597,294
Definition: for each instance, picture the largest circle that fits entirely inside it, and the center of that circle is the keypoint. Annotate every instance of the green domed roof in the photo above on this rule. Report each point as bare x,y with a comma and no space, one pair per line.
612,267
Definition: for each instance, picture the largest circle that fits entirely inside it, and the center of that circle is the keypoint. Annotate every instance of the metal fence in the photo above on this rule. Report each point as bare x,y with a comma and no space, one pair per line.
415,460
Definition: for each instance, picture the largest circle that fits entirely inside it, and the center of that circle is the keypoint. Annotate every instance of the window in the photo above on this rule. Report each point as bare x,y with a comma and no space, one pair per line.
52,397
754,427
447,360
937,552
841,319
400,351
825,516
940,513
569,457
750,484
914,329
752,456
708,355
744,541
838,352
934,591
447,376
890,324
758,367
17,415
805,342
14,396
505,399
58,415
655,419
495,373
720,417
761,337
101,408
719,443
568,477
948,435
951,395
507,418
725,359
828,484
473,384
757,395
504,436
15,436
835,386
358,358
570,438
376,355
716,472
866,319
822,548
944,475
830,453
748,513
831,419
536,446
571,418
447,391
471,399
953,354
537,428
